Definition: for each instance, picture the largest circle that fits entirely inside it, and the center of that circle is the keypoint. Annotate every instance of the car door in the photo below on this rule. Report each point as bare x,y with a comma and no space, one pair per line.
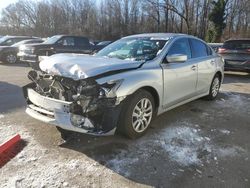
205,60
179,78
83,45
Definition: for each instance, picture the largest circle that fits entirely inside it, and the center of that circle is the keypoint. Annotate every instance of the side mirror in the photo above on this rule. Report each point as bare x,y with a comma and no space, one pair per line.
176,58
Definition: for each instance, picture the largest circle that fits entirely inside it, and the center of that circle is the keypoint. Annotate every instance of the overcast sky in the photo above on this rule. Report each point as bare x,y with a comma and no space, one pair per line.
5,3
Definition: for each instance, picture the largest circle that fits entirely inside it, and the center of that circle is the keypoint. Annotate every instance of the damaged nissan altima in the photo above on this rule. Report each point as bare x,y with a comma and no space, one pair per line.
124,86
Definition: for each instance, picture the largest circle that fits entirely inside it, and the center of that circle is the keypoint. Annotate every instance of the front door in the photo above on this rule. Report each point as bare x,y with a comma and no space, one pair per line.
180,79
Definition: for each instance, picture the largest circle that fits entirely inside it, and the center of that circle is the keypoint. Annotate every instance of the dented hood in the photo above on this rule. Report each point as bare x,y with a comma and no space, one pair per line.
77,66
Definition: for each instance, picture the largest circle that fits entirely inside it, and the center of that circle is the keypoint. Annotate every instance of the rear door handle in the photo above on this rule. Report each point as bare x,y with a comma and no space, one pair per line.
193,67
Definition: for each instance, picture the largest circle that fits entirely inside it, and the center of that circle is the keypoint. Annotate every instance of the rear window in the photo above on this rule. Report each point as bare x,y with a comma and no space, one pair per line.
237,44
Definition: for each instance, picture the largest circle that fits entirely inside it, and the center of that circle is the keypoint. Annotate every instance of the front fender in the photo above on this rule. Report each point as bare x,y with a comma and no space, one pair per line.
136,79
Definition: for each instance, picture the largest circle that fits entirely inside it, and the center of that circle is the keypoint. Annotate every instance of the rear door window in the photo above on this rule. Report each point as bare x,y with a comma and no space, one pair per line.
67,41
199,49
81,41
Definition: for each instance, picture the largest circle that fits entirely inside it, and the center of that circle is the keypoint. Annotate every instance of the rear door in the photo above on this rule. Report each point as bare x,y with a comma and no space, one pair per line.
206,63
179,78
83,45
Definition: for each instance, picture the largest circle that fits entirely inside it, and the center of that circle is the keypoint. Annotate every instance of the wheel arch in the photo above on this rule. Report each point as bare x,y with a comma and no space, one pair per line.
153,92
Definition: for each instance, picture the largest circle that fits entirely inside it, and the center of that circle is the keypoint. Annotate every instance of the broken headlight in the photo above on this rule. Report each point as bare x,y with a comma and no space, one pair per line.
109,88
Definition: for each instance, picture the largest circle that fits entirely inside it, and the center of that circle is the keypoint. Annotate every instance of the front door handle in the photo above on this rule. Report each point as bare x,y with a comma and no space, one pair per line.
193,67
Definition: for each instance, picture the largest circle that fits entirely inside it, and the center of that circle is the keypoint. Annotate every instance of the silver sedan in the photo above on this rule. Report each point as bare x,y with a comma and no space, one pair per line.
125,85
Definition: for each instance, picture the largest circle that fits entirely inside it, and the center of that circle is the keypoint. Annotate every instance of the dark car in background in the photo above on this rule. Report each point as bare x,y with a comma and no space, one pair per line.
215,46
8,54
236,54
101,45
10,40
57,44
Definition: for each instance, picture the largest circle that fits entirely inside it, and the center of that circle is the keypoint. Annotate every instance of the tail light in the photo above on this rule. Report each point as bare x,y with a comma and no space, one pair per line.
222,50
248,50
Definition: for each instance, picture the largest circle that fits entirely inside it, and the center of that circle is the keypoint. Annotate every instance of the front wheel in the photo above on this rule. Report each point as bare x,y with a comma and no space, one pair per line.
137,114
11,58
214,88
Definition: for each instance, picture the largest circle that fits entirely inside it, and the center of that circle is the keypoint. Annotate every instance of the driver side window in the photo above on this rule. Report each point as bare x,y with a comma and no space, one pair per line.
181,46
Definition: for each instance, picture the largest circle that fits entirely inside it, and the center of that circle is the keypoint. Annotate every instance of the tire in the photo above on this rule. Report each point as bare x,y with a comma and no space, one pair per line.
135,119
65,134
214,88
10,58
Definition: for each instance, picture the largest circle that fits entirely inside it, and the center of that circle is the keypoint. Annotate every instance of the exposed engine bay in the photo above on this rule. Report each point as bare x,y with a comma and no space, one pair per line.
93,107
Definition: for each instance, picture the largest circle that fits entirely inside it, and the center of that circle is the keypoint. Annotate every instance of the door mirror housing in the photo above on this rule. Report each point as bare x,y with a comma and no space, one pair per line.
176,58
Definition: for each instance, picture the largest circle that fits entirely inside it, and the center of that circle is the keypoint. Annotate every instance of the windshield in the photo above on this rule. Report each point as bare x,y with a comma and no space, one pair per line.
135,49
52,40
3,39
237,44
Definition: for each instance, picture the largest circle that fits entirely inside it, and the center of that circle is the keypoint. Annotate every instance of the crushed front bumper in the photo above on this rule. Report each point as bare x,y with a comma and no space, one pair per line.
58,113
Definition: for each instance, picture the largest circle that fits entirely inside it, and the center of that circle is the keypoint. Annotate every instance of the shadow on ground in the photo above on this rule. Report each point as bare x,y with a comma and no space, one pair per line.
236,77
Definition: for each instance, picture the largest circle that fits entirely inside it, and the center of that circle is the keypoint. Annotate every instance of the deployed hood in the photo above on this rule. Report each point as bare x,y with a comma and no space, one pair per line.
78,67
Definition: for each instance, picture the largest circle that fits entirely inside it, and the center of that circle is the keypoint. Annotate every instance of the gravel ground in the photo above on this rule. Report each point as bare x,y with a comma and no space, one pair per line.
200,144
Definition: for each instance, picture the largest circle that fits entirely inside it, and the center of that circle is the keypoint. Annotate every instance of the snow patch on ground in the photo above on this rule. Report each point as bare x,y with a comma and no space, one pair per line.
188,146
121,163
182,144
237,101
1,116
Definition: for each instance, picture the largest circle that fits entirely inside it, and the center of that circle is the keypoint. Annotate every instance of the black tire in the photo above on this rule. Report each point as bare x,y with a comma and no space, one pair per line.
10,58
65,134
126,119
212,94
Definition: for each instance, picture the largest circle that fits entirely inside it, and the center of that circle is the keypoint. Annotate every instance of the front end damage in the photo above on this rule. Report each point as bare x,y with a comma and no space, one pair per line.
78,105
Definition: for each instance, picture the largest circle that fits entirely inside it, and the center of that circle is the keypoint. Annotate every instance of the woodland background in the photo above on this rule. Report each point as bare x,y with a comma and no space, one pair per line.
213,21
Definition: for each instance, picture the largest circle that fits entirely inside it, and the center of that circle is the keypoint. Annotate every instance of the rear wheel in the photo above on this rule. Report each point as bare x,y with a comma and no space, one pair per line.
11,58
137,114
214,88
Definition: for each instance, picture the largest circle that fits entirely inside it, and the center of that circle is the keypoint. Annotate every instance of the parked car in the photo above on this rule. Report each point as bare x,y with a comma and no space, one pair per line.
56,44
101,45
124,86
8,54
215,46
236,54
10,40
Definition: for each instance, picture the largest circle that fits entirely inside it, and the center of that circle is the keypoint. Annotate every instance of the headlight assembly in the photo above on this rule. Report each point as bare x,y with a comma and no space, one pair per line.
109,88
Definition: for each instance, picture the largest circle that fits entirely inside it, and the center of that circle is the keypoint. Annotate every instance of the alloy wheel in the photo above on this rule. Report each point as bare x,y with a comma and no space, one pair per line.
11,58
142,115
215,87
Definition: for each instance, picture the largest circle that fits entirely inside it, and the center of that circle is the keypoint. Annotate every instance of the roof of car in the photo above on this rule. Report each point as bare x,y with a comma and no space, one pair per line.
158,35
70,36
238,39
20,36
